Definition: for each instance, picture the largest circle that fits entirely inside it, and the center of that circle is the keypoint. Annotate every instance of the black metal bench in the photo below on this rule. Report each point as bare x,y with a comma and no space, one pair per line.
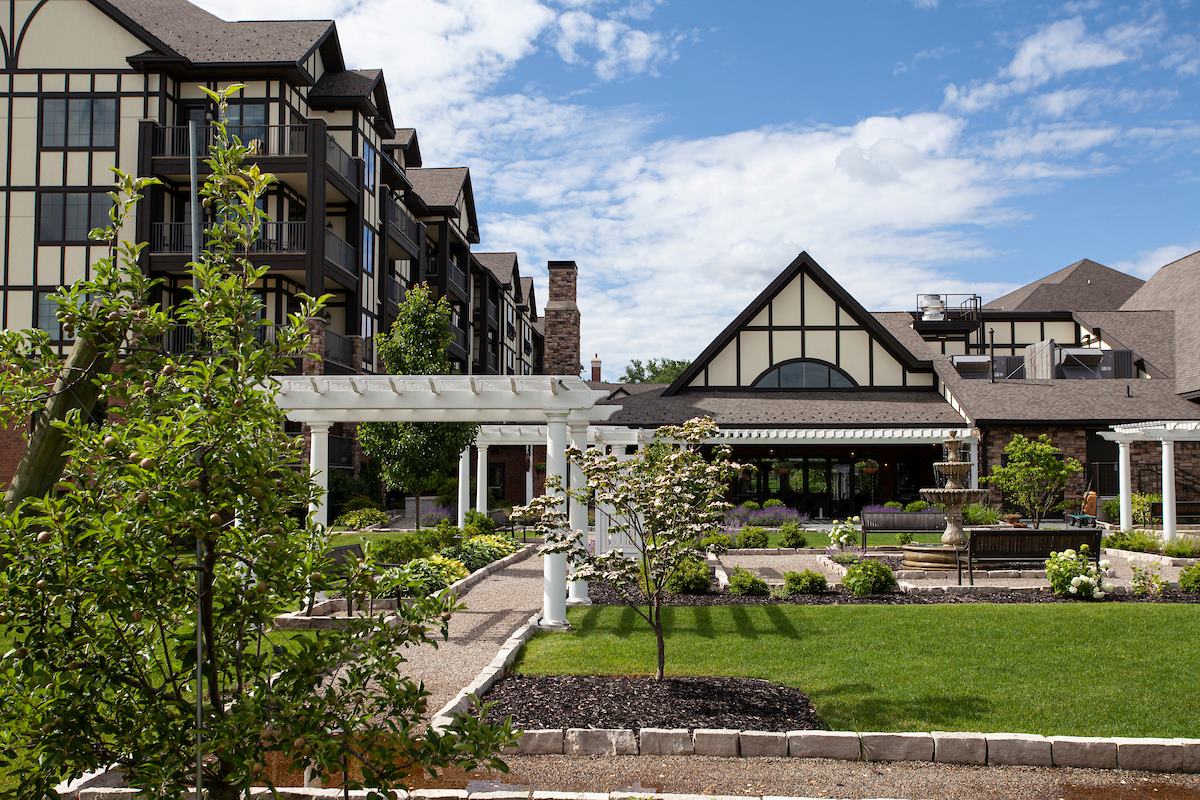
1022,547
1187,512
903,521
343,560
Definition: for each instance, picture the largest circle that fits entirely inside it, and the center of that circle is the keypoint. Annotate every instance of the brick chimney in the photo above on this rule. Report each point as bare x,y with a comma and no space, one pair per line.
561,316
596,368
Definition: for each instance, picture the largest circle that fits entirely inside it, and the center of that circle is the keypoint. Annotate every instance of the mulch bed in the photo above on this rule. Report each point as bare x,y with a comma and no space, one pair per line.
603,595
594,701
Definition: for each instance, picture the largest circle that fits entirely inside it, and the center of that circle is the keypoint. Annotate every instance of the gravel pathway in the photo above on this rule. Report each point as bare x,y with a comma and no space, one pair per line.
823,778
495,607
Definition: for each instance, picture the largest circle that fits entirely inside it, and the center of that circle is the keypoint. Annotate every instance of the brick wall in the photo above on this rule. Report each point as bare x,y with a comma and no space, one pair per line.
561,316
1143,456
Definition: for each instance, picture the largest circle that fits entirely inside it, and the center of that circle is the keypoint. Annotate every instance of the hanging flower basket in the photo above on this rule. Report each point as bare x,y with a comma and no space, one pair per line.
781,468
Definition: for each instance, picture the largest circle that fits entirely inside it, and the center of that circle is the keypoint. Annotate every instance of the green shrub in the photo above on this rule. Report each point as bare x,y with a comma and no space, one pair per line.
745,583
479,521
896,504
751,536
773,503
869,576
917,505
904,537
692,576
1189,579
1146,581
436,572
806,582
1072,573
362,518
1182,548
716,542
361,501
1111,508
1140,506
446,490
477,552
404,548
845,559
751,505
792,535
1137,541
980,514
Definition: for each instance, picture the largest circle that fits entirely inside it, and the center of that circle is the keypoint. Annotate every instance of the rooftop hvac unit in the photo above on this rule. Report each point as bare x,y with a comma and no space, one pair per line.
1118,364
932,306
1079,362
1008,368
972,366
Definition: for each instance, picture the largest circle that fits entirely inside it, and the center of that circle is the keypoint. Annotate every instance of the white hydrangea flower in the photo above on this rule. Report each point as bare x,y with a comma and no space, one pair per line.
1105,565
1074,589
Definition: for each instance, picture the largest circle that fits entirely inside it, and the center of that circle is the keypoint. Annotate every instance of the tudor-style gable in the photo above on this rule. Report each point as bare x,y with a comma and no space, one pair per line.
805,332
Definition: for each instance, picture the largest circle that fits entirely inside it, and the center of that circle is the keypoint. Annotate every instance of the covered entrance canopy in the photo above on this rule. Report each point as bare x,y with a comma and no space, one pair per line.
1165,432
553,402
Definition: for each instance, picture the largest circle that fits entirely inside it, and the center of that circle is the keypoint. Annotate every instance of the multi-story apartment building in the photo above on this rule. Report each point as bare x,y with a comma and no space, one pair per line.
92,84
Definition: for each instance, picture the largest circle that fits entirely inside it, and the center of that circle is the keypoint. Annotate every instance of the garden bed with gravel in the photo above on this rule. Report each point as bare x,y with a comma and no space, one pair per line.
595,701
604,595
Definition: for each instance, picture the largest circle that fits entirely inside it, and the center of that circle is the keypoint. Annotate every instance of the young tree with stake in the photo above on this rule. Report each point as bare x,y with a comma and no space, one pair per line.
665,499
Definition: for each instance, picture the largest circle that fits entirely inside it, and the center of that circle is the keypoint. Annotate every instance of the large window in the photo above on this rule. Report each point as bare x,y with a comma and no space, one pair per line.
368,251
66,217
804,374
370,165
248,122
84,123
47,314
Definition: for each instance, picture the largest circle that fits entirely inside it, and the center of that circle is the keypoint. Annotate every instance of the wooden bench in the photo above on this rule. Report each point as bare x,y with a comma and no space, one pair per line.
1187,512
1022,547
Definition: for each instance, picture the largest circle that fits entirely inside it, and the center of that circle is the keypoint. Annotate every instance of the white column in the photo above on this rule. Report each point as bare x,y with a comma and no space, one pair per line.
554,565
318,469
481,478
974,445
1168,489
1124,479
620,541
600,528
529,474
577,591
464,484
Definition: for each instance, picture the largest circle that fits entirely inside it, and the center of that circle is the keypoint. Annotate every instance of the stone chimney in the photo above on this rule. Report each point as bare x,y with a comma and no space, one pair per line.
596,368
561,316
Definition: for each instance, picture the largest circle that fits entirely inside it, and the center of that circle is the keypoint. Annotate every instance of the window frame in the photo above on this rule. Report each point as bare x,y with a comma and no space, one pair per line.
39,294
368,252
831,370
39,201
370,166
66,98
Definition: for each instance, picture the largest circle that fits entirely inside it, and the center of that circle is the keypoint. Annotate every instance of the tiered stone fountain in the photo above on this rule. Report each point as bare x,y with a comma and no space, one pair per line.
952,497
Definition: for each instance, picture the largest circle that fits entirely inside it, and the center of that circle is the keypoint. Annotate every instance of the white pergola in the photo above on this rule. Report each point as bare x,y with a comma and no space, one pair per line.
555,405
1166,433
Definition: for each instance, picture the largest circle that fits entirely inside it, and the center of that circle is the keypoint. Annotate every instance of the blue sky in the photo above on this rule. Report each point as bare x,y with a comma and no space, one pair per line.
684,152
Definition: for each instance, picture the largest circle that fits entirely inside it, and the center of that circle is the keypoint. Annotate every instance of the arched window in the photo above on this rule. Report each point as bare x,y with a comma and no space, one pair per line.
804,373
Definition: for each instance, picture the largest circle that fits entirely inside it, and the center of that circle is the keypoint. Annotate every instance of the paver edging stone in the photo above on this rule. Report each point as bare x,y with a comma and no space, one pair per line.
1083,751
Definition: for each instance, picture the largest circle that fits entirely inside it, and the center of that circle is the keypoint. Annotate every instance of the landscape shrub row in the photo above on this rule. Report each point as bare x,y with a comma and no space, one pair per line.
1149,542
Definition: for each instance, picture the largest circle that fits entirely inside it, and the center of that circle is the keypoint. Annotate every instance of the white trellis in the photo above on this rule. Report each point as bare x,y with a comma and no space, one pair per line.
554,403
1166,433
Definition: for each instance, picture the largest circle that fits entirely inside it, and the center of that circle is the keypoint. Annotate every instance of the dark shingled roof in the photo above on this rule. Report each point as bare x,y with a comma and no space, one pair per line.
499,264
647,406
527,295
203,38
1083,286
1176,287
348,83
1149,334
438,187
1067,401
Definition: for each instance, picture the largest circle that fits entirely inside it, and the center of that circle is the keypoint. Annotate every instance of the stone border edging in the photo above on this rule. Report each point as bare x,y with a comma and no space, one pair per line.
944,747
1153,558
322,616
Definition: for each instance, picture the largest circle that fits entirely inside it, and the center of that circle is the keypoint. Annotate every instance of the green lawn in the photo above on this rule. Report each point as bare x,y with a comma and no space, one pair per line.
1088,670
339,539
821,538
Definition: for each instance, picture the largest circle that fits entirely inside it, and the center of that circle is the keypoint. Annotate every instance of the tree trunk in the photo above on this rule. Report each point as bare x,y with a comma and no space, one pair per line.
417,507
660,667
42,464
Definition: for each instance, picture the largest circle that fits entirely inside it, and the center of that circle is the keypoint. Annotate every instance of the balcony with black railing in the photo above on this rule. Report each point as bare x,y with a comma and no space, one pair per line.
456,276
403,225
182,339
339,349
458,336
173,141
340,253
394,290
493,315
341,161
491,362
175,238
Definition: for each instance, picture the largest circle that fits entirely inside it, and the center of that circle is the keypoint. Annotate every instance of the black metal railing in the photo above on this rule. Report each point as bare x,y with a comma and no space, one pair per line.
341,452
341,161
340,252
1104,478
492,362
403,220
267,140
456,275
182,339
368,348
339,349
395,290
274,237
492,314
459,336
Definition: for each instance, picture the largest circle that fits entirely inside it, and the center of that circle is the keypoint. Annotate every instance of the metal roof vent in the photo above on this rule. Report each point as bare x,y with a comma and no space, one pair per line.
932,307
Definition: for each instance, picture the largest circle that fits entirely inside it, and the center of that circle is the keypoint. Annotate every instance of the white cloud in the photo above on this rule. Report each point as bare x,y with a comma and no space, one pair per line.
1183,55
619,49
925,5
1054,50
1059,140
1148,262
1091,100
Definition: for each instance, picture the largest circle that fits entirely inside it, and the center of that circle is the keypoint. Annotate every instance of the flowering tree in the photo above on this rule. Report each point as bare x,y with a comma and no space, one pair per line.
1034,475
179,532
665,500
